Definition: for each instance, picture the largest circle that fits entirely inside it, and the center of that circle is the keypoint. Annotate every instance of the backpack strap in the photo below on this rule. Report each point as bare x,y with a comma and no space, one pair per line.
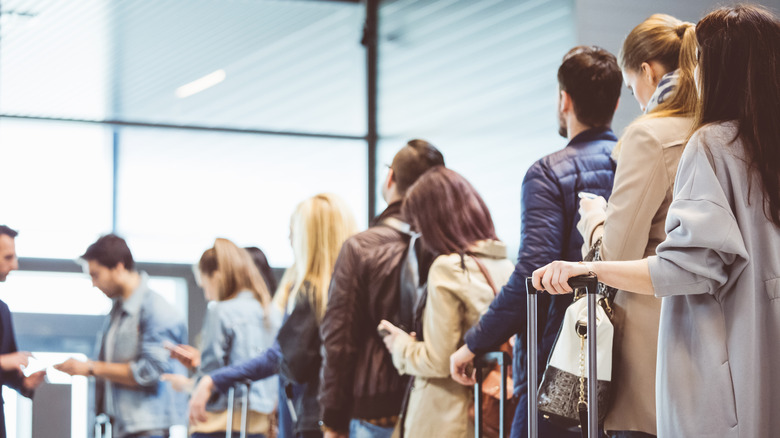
409,281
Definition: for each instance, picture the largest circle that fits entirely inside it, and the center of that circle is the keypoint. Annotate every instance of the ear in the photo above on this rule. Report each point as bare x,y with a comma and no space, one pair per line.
390,180
565,102
648,72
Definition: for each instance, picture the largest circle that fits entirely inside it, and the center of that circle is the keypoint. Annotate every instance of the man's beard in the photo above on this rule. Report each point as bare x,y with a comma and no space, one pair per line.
562,129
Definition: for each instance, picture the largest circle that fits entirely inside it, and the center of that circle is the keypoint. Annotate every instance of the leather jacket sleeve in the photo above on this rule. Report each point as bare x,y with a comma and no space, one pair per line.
339,337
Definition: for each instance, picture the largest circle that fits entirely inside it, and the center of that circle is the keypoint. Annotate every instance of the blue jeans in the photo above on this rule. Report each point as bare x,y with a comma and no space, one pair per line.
364,429
546,429
222,435
629,434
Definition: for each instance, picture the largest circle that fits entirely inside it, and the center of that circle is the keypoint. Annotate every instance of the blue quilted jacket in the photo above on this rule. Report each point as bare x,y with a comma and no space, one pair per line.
548,232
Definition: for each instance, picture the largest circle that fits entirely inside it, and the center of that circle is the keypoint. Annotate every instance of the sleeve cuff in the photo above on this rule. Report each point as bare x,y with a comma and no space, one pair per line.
336,419
589,223
221,381
399,348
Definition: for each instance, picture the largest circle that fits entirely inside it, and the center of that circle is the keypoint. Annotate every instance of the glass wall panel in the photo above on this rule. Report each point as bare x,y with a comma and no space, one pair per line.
291,66
54,58
57,185
179,190
478,80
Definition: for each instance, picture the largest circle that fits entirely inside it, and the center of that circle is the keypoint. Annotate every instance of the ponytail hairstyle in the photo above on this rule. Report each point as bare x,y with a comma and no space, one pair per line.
238,272
739,49
319,227
672,43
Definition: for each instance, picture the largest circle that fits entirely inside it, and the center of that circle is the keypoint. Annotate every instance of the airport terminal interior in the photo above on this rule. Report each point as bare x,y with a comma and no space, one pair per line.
173,122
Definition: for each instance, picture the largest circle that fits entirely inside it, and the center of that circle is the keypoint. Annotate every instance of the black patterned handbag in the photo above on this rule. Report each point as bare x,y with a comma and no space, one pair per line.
562,395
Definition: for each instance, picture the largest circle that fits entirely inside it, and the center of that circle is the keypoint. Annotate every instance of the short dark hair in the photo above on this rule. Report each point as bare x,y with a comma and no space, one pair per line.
449,213
109,251
593,79
8,231
412,161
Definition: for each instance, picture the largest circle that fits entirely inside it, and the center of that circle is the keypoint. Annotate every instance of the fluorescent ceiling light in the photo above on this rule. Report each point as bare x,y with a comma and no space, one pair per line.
201,84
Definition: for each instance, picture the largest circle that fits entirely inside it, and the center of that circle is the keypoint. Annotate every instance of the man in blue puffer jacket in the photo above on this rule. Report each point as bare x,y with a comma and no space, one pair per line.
589,87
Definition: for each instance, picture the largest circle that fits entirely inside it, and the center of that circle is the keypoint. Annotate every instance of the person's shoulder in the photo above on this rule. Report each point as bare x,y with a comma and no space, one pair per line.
716,141
663,130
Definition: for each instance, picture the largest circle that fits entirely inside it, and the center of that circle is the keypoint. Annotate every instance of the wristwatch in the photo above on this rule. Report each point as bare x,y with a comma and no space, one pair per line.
91,369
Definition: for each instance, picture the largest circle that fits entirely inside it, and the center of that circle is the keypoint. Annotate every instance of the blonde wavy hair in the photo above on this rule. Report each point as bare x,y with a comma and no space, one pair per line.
672,43
318,228
237,271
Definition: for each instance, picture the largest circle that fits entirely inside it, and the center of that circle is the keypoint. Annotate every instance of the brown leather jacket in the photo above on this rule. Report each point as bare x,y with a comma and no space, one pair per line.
358,379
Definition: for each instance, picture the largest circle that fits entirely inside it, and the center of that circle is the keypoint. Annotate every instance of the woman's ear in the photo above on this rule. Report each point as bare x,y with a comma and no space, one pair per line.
650,73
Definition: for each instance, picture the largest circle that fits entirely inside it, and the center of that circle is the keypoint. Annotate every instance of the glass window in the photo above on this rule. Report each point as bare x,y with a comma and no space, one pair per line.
57,185
291,66
479,81
54,58
71,293
180,190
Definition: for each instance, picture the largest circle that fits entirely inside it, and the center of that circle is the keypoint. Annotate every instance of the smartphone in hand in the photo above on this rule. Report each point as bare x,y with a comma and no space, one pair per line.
586,195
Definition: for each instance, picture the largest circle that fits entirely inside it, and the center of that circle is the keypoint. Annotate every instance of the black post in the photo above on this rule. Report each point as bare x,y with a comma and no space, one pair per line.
371,42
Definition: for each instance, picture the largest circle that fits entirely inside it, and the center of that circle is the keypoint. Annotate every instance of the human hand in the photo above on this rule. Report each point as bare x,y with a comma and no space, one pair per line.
189,356
34,380
554,278
198,399
15,361
73,367
392,334
178,382
335,434
592,204
462,366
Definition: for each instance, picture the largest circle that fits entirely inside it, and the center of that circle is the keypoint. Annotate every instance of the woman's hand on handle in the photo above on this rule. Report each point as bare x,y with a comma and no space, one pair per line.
554,278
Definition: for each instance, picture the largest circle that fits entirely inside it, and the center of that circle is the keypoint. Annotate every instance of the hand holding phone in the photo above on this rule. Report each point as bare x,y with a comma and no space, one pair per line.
587,195
187,355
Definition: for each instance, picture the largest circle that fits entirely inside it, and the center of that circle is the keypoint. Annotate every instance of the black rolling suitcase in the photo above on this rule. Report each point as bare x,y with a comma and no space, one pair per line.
590,284
244,409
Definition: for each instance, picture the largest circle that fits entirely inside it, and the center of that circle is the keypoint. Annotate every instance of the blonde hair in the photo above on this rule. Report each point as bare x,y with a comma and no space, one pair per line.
238,271
672,43
319,226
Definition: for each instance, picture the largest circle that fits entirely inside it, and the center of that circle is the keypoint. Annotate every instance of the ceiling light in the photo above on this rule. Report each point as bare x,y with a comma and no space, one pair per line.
201,84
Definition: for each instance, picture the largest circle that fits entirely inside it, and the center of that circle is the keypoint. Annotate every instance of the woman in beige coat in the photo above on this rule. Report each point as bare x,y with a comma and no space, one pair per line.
455,224
658,61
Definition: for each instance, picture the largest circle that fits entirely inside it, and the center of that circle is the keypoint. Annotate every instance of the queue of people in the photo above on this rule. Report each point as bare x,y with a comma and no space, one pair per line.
374,333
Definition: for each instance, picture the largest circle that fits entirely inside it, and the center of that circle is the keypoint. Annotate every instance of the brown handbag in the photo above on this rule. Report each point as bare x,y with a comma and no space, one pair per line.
491,383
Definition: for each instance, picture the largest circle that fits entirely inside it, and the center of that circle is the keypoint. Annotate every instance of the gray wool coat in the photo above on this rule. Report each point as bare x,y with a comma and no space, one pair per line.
718,271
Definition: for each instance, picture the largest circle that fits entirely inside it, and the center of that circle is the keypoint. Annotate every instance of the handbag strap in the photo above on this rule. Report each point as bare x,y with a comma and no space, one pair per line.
485,272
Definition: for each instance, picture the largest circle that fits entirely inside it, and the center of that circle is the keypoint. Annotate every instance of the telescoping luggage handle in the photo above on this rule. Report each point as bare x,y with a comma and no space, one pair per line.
103,426
244,408
590,284
484,361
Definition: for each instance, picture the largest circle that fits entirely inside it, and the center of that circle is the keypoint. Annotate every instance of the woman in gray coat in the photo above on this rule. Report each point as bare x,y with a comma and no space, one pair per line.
718,270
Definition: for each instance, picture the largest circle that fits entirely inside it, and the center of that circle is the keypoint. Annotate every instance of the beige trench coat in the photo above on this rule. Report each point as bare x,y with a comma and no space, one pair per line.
632,226
438,406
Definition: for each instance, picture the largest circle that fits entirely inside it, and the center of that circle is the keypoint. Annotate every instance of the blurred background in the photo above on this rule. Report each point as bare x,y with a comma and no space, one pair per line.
172,122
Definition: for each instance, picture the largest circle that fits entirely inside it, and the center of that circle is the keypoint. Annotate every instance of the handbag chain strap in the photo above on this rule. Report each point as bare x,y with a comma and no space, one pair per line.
582,402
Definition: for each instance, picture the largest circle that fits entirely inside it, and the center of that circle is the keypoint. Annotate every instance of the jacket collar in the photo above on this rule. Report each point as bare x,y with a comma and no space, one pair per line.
594,134
491,248
392,210
133,304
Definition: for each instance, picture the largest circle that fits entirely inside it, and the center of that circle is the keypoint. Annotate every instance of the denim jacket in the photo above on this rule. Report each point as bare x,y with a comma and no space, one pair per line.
143,322
234,331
